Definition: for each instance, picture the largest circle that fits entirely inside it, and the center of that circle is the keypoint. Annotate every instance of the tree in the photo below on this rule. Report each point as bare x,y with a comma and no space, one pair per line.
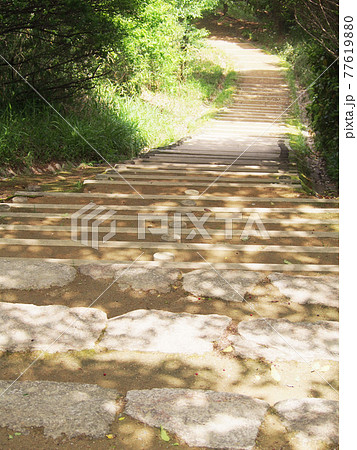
319,19
59,46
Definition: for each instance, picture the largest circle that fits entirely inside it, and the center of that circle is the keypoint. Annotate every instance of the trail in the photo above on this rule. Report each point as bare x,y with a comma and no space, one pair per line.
212,278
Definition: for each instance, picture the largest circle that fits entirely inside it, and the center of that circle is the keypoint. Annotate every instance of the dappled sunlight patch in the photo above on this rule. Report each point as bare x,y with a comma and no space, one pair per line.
34,275
165,332
280,339
49,328
230,285
201,418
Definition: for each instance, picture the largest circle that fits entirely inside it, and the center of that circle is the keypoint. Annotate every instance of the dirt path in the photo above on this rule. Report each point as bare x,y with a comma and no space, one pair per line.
235,211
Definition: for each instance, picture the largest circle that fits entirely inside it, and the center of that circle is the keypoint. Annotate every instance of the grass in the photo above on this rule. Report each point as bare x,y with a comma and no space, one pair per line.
115,126
297,141
304,62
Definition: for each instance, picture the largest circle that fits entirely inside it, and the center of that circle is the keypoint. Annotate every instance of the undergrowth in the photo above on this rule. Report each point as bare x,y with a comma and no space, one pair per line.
309,68
116,125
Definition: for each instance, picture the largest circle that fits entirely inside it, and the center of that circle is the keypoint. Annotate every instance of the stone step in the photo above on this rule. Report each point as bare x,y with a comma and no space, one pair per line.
191,235
212,167
53,229
85,195
195,416
238,159
57,328
140,171
201,418
228,118
162,331
192,181
280,339
303,231
224,148
304,258
239,369
221,247
48,329
295,212
234,152
193,265
70,409
166,187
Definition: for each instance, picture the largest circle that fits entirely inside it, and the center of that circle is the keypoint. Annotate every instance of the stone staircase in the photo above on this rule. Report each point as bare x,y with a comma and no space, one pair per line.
219,219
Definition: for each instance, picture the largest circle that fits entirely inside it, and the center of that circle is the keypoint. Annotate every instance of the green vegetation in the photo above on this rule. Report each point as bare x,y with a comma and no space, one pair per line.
128,75
123,76
305,35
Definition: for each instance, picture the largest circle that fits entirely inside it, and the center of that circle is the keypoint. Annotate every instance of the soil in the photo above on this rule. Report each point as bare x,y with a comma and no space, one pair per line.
52,177
135,370
125,371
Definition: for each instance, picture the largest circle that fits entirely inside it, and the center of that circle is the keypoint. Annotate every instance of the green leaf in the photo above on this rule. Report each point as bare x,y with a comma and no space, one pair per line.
17,434
287,262
163,434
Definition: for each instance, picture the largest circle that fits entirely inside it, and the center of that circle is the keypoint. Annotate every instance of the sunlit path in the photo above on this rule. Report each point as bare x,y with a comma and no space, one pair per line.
196,285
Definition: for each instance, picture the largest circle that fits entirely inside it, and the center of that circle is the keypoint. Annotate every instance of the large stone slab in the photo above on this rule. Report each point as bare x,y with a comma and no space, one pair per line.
147,278
321,290
52,329
99,271
230,285
163,331
158,279
280,339
201,418
70,408
312,419
34,275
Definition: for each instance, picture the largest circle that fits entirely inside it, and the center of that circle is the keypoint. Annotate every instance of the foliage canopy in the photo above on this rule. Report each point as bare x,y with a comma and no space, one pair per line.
61,46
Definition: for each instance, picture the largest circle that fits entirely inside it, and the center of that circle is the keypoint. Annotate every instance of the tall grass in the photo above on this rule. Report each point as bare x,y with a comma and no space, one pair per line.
306,60
116,126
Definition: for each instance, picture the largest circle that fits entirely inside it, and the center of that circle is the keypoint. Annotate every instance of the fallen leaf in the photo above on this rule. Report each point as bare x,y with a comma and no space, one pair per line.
110,436
121,418
287,262
228,349
163,434
17,434
11,436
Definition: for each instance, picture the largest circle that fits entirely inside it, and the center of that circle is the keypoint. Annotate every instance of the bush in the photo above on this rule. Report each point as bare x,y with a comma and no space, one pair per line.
114,125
